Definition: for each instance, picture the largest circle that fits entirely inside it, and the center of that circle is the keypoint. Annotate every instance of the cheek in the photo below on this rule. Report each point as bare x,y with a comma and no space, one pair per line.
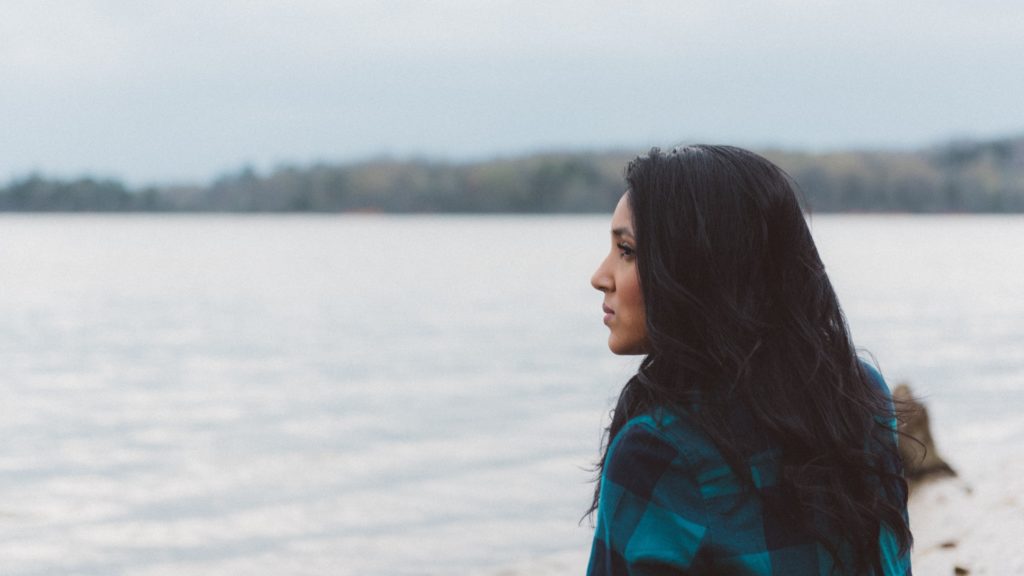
631,334
632,298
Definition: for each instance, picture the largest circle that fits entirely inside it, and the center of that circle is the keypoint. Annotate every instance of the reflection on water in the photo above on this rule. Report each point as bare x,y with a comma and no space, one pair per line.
389,395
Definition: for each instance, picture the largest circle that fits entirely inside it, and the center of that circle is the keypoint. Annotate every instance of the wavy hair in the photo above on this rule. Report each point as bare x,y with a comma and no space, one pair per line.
741,314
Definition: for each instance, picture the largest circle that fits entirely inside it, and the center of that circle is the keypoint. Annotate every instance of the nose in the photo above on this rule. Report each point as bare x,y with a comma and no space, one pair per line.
602,279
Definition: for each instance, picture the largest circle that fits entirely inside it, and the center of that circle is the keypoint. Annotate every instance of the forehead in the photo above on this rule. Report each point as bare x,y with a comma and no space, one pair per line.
623,216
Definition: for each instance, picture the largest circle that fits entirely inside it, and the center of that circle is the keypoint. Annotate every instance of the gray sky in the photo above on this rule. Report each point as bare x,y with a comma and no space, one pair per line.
162,91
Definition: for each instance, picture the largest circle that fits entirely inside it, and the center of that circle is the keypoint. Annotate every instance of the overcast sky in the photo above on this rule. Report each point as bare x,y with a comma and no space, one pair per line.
182,90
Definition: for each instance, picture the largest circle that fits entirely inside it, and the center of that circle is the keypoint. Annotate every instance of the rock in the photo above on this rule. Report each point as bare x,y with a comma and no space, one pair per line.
917,449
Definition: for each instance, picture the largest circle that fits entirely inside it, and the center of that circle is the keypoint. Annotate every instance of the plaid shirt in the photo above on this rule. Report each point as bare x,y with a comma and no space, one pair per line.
670,504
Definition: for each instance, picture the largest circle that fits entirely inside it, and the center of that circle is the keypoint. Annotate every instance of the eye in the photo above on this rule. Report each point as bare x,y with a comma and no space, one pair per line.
625,250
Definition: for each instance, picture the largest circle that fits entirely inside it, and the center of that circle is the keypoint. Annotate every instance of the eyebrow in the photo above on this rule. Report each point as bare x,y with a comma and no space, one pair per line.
622,232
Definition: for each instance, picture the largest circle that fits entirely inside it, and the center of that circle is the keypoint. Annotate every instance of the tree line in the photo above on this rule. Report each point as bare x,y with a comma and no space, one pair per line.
963,176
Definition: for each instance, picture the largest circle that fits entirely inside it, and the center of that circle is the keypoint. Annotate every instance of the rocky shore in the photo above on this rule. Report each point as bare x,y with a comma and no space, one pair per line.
967,514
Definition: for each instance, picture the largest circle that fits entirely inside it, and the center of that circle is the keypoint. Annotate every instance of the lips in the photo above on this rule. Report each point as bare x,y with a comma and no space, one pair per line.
608,313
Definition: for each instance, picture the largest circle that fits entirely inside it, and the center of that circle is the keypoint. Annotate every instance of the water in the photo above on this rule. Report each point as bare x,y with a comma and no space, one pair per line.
391,395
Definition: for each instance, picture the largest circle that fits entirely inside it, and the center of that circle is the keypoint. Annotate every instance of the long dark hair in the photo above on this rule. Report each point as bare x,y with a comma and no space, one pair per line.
741,314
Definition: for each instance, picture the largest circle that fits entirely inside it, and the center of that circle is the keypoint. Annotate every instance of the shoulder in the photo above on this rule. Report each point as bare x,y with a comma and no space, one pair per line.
888,417
875,377
654,443
651,512
640,455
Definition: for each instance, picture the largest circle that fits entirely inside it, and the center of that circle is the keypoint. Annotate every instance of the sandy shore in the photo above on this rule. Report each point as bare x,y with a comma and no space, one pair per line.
973,524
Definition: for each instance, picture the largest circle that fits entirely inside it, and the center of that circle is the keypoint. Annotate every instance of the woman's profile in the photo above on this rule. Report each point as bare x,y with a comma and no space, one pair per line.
752,439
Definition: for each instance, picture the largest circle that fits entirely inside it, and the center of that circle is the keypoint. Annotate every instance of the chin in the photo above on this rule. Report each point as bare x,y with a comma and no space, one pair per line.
625,348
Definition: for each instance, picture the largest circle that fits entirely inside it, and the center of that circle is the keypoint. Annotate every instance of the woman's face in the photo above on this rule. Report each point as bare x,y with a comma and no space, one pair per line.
617,278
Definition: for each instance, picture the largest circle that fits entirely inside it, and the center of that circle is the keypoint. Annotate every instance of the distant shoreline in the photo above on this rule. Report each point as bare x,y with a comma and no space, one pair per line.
957,178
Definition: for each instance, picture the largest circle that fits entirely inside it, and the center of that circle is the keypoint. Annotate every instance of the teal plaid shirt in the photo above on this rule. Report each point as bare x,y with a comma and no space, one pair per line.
670,504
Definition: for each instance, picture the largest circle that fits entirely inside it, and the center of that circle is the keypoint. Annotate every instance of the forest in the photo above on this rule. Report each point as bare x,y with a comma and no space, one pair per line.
954,177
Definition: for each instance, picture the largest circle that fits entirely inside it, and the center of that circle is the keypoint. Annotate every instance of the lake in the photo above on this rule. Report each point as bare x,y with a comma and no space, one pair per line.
393,394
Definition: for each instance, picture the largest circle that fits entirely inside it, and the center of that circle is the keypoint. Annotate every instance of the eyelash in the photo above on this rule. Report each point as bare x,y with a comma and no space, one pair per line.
626,251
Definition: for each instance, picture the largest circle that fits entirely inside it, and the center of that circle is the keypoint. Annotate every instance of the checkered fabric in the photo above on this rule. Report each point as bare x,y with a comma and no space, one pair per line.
670,504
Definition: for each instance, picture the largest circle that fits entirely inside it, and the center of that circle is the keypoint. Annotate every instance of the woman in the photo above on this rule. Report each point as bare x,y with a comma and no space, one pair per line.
751,440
